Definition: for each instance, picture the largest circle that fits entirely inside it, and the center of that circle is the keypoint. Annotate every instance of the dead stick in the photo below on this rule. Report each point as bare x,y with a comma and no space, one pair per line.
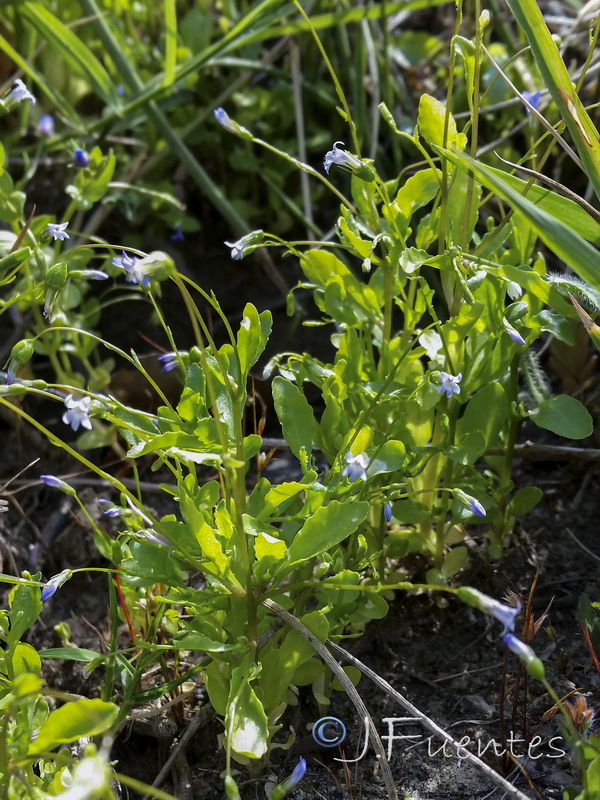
351,691
430,724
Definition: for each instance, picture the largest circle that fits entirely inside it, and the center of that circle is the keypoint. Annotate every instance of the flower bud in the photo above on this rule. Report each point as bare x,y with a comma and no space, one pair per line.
22,352
56,277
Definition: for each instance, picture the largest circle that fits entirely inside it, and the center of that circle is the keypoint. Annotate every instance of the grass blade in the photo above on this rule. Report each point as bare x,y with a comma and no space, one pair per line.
574,250
170,42
556,78
81,60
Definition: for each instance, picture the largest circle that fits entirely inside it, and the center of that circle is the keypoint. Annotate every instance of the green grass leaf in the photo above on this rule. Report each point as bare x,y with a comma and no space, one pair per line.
70,47
574,250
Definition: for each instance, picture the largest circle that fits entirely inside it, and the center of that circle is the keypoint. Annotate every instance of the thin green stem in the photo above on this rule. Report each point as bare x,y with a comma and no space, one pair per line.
334,78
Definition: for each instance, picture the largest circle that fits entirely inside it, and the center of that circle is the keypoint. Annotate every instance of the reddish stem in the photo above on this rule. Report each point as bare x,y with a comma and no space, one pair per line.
124,607
586,636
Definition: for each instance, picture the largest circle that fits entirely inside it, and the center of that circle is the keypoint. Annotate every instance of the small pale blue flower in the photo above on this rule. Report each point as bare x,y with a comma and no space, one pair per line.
450,383
501,611
81,158
51,587
513,332
356,466
222,118
387,511
18,93
290,783
46,125
58,231
57,483
474,506
533,98
169,361
247,244
111,510
340,157
77,413
92,274
134,273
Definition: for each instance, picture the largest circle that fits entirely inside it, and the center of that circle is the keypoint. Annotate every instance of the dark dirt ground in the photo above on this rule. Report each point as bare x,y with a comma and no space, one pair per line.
443,656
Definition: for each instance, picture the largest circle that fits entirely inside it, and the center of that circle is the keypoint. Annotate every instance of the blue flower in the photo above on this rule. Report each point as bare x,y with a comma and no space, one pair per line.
177,235
503,613
387,511
111,510
92,274
533,98
169,361
247,244
474,506
356,466
223,119
340,157
56,483
77,413
18,93
290,783
450,383
513,332
134,273
49,590
58,231
46,125
81,158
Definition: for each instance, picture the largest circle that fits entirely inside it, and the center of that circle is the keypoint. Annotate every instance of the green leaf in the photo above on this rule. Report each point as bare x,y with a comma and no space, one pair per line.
328,526
388,458
25,606
190,640
70,654
454,561
432,114
324,269
565,416
487,412
295,414
91,184
25,658
73,721
459,201
150,564
11,200
246,722
470,446
466,49
252,337
410,511
524,500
